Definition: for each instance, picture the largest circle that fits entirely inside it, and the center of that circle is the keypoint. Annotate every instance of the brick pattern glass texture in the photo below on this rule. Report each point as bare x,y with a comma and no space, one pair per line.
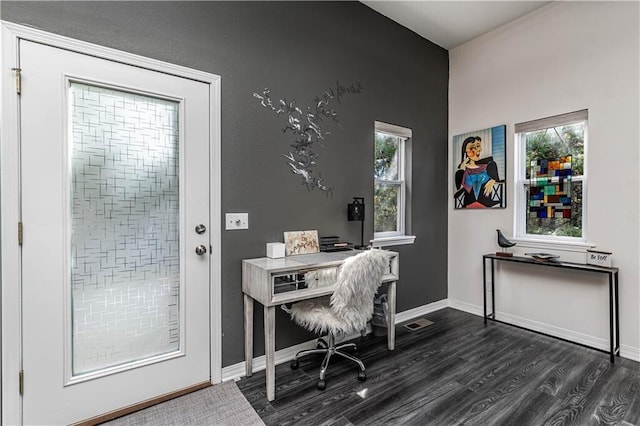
125,234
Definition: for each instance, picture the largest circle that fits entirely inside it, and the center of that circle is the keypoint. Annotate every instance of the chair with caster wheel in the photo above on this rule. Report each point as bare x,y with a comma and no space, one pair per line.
347,310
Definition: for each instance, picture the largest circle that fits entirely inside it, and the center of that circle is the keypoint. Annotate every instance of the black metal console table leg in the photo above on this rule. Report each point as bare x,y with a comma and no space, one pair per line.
617,314
484,288
493,291
611,316
614,317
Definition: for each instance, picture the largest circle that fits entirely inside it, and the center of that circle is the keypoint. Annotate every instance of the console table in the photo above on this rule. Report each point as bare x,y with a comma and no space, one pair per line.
274,282
612,273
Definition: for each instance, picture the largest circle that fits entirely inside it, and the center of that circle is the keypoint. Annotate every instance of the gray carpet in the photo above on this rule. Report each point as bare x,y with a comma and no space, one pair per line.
221,404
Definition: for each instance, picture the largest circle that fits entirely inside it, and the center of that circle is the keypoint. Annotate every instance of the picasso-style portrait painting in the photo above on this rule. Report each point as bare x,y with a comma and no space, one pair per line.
479,169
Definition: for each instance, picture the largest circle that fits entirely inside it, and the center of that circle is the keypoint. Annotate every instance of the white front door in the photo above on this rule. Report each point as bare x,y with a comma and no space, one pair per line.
115,255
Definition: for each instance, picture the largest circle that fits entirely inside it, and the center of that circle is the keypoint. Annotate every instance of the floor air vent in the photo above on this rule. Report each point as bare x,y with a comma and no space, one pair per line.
418,324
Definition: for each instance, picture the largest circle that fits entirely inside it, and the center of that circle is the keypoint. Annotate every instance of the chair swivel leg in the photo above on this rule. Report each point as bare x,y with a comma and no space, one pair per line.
321,385
351,346
352,358
295,363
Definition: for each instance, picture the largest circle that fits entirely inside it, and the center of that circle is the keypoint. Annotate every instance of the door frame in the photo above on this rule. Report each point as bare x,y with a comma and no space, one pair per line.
10,201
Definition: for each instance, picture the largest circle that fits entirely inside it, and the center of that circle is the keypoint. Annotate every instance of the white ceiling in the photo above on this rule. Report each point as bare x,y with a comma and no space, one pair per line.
452,23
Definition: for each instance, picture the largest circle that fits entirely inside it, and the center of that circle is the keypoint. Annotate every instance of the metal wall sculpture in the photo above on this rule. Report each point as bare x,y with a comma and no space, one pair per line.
305,126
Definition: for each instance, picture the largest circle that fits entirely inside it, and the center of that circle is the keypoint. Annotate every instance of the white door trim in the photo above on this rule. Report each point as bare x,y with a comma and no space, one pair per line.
10,214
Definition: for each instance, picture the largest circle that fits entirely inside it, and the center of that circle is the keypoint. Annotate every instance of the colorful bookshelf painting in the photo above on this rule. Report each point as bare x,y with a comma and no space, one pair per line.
550,188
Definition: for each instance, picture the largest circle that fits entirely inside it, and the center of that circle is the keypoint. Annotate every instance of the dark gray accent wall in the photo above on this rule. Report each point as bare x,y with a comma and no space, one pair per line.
298,50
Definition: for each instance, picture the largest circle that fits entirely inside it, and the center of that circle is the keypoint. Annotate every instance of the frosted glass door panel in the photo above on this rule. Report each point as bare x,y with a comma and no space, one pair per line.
125,233
114,300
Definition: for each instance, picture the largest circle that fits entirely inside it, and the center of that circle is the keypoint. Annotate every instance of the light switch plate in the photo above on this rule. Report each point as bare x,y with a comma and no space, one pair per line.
235,221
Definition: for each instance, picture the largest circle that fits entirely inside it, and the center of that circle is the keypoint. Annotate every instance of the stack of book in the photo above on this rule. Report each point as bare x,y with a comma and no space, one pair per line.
333,243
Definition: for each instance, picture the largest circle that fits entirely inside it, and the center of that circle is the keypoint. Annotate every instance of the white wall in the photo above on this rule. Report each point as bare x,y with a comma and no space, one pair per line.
561,58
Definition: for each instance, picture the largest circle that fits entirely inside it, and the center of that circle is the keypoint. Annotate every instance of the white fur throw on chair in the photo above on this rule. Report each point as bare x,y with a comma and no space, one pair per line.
351,304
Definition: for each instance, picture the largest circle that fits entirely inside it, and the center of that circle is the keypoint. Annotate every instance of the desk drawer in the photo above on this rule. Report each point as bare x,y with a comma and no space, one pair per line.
305,279
283,283
292,278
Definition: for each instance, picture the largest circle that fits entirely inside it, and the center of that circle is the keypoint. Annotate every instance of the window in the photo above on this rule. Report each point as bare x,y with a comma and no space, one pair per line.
552,178
391,188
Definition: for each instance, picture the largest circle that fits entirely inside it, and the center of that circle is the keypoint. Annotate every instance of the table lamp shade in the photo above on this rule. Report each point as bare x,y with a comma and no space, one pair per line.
355,210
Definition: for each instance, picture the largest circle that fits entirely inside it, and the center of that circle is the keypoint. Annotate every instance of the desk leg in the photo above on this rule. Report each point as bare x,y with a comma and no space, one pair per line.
270,350
391,320
484,288
248,335
615,287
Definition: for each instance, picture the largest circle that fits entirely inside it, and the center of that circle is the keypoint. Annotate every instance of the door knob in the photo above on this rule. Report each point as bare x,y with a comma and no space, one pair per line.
201,249
200,229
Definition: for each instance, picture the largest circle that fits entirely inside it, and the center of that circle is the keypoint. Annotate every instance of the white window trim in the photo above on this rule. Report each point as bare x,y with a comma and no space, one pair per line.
560,245
577,244
397,240
399,237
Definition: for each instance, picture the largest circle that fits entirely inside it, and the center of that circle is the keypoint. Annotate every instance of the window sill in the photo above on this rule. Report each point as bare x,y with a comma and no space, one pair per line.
572,246
393,241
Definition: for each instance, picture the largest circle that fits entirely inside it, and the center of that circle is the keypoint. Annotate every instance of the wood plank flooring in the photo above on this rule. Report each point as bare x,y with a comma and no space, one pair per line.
453,372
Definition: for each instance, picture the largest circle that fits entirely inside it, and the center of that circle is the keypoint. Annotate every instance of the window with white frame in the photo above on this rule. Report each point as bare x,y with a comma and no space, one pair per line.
392,184
552,178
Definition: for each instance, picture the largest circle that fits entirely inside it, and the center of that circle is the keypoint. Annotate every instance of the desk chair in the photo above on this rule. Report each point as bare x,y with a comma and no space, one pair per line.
347,310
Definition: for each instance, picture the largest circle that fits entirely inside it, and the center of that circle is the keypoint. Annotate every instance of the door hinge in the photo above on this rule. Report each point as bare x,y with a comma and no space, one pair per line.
18,72
20,233
21,382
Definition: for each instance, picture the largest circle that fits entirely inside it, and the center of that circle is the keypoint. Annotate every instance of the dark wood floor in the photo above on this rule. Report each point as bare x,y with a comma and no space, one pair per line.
457,371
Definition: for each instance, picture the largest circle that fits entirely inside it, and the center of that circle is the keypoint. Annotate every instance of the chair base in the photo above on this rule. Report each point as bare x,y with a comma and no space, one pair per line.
329,349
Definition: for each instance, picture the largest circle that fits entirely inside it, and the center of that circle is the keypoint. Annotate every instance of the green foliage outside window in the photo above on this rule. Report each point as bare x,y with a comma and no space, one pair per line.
551,144
385,197
386,159
555,142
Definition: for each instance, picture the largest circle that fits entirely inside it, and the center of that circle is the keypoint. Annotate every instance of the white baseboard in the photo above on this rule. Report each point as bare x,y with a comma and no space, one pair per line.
410,314
235,371
466,307
630,352
626,351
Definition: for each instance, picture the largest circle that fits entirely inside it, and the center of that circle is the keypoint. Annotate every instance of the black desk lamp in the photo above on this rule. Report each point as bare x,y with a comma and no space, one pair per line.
355,212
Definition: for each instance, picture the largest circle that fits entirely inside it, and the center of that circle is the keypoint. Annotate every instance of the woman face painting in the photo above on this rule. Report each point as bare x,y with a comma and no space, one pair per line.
473,150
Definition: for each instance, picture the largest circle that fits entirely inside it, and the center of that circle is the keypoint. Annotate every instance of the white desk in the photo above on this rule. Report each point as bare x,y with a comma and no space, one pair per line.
266,281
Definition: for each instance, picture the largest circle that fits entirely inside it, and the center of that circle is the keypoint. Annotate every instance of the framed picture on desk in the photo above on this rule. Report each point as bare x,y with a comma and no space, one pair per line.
301,242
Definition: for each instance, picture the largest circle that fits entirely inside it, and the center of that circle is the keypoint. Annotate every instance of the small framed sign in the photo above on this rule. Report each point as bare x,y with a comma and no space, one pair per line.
599,258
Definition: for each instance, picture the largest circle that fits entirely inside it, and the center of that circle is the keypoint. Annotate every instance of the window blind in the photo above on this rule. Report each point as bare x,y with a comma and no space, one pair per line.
556,120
